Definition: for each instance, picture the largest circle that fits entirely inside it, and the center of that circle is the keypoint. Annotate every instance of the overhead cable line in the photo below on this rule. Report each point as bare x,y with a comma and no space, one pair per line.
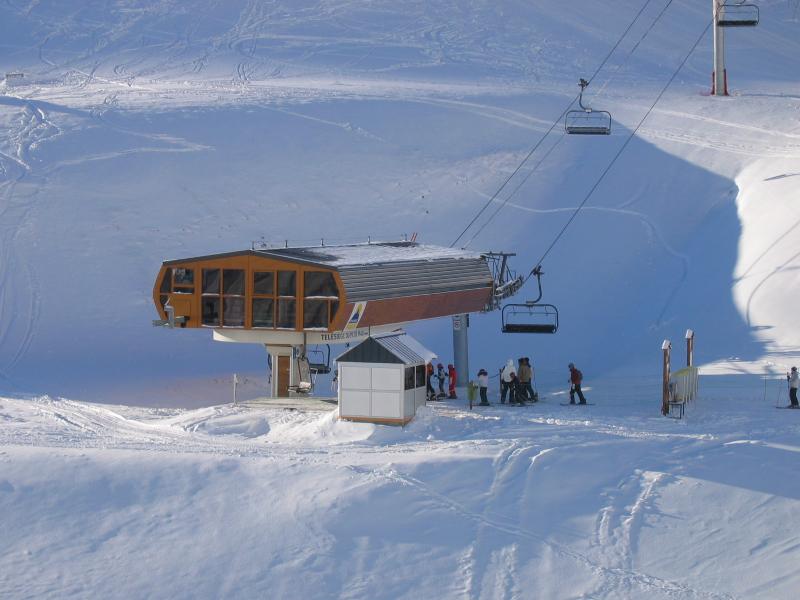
558,141
618,154
556,122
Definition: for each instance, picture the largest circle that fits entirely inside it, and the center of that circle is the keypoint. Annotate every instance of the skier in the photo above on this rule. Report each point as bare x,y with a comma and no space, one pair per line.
483,384
451,388
575,379
515,397
428,375
441,376
505,380
794,381
525,373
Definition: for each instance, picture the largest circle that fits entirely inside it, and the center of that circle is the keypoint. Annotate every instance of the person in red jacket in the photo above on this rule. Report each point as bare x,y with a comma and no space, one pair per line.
451,386
575,379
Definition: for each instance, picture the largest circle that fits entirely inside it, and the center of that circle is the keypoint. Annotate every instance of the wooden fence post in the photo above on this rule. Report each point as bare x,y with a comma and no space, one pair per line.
689,348
666,348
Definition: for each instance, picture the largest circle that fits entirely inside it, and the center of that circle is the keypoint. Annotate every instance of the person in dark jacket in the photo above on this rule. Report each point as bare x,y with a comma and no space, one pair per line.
451,387
575,380
428,376
525,373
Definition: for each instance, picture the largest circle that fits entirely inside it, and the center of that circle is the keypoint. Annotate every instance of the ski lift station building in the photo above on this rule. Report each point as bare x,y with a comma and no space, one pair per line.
288,298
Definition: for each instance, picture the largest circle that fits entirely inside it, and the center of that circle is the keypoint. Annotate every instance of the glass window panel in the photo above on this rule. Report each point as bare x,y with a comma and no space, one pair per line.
183,276
420,376
410,378
334,308
263,312
233,282
287,283
211,281
319,283
166,283
287,314
264,283
315,313
233,311
210,310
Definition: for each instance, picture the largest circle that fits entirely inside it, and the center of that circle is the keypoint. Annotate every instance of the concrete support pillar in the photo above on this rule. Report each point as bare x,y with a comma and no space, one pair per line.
719,85
461,349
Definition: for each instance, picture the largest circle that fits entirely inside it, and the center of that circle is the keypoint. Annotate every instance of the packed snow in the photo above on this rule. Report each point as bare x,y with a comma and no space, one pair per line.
144,130
548,501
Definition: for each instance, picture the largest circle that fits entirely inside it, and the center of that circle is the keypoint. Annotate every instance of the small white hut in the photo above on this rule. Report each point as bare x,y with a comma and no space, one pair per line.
382,379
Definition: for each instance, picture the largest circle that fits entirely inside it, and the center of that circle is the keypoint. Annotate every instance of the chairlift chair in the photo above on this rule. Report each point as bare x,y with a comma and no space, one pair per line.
737,14
319,360
587,121
530,316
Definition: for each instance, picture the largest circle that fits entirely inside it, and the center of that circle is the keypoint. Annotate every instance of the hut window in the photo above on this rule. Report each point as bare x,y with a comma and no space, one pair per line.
264,283
233,311
263,312
211,310
315,314
410,378
287,283
210,299
420,376
334,308
183,276
320,284
165,287
166,282
233,297
264,299
321,299
233,282
211,281
287,313
183,281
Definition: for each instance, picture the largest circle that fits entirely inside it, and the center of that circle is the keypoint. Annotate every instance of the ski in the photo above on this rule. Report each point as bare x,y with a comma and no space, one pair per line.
577,404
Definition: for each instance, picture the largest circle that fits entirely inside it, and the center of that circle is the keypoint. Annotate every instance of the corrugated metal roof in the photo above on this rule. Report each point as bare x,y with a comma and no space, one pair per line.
414,278
393,348
411,345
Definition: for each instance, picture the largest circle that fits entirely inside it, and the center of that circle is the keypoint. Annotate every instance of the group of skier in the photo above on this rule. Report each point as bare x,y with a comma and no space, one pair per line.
516,383
442,375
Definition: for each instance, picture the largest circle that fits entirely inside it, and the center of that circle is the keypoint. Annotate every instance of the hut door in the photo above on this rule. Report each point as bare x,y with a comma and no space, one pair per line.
284,363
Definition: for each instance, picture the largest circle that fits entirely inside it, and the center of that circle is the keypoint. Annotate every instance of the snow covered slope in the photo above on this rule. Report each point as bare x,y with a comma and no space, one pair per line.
610,501
153,130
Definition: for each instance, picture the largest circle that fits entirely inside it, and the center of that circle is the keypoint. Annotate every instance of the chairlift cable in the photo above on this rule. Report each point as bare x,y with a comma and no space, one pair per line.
556,122
619,152
633,49
553,147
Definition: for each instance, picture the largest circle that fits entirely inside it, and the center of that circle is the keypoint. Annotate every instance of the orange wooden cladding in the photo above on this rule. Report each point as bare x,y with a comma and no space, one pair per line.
250,264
